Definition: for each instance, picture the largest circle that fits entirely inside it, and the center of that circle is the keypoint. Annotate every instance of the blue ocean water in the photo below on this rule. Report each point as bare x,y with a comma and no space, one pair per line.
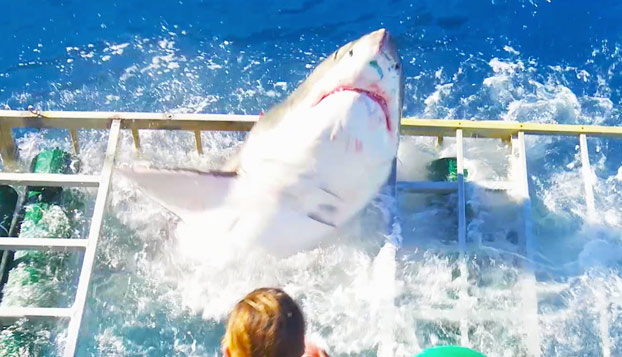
54,48
524,60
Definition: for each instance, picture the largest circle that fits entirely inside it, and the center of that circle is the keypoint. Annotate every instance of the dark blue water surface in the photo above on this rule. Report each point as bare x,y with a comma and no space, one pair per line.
557,61
57,54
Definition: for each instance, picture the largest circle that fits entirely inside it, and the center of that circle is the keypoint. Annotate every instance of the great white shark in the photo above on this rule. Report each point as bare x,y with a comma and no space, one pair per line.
308,165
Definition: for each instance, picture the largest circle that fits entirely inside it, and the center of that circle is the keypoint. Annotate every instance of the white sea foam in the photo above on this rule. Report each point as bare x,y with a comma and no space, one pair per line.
360,295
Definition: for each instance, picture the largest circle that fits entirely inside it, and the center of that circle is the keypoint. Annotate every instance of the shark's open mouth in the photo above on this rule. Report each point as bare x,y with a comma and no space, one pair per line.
371,95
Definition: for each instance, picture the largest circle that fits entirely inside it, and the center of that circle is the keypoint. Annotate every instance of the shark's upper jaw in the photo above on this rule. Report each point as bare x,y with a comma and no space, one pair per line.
376,97
387,46
368,66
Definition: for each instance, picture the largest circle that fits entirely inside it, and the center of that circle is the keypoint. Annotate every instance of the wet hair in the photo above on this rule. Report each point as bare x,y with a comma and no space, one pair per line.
265,323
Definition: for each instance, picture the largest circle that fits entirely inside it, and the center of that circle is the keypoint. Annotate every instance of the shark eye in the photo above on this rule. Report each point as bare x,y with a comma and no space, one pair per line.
351,53
397,66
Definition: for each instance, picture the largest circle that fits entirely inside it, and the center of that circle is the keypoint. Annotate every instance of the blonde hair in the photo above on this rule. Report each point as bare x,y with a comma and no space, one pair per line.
265,323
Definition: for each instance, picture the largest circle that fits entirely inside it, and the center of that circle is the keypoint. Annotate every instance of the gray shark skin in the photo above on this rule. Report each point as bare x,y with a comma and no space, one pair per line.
308,165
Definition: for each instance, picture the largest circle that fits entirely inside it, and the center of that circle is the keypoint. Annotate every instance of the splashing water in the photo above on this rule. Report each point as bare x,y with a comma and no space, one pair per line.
361,295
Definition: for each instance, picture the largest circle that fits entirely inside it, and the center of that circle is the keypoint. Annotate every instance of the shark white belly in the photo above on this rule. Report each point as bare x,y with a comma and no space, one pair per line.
338,166
308,166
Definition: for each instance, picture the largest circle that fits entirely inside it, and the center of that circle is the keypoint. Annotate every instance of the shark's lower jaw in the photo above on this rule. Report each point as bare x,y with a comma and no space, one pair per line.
371,95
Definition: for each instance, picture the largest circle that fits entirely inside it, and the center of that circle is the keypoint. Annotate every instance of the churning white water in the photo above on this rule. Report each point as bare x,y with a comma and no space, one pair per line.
361,293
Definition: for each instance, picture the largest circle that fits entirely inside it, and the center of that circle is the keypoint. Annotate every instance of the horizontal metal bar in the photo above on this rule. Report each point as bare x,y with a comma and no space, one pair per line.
448,187
500,129
47,244
28,179
16,313
236,122
103,120
427,186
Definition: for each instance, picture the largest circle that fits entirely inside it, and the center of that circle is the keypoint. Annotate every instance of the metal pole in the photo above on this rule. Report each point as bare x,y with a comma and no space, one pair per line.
528,279
601,292
586,172
464,272
89,254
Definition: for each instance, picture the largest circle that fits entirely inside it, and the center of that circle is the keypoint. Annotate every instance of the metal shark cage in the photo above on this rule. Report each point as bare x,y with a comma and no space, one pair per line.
114,122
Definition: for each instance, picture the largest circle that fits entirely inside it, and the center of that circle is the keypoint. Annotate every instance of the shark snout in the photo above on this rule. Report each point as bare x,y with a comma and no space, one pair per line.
385,42
388,49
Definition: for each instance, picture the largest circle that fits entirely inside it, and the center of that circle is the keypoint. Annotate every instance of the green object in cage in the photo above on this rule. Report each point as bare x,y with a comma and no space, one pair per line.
444,169
36,277
34,212
8,201
35,271
54,161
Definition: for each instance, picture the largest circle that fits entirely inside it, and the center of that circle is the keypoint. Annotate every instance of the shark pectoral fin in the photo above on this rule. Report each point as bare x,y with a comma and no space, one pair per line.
186,193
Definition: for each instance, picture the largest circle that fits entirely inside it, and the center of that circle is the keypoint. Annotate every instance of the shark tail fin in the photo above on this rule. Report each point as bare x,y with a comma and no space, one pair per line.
186,193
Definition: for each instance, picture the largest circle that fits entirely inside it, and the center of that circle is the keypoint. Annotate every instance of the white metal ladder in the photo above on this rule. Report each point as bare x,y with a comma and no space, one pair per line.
462,316
88,246
527,280
196,122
